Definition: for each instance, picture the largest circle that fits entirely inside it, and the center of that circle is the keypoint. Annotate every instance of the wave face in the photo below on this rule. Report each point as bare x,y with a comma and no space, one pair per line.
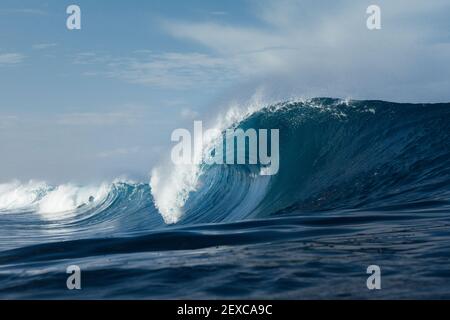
334,154
360,183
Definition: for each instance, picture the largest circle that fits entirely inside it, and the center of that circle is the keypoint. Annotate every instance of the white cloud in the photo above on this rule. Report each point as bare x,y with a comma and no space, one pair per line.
29,11
302,47
219,13
11,58
43,46
173,70
90,58
165,70
97,119
189,114
7,121
119,152
326,49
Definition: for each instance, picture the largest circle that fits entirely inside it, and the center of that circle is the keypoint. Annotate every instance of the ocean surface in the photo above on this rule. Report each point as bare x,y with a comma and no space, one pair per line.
360,183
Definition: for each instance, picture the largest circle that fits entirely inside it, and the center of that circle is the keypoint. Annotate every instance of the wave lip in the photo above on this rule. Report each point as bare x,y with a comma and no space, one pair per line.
17,196
68,199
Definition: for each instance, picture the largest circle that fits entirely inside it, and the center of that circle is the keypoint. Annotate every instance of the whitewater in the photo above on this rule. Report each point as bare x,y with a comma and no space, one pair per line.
359,183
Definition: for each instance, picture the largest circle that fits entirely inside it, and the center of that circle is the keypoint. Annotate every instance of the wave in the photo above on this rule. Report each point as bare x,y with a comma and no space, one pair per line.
36,212
119,206
17,196
334,154
51,202
172,185
356,179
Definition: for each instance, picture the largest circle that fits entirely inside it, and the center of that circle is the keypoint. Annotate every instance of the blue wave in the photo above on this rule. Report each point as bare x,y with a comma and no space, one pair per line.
359,181
334,154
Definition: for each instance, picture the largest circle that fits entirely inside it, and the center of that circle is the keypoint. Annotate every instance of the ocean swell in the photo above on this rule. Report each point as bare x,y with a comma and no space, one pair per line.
334,154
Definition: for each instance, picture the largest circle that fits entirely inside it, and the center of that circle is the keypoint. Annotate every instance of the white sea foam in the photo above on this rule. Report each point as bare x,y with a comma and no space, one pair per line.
50,202
65,199
17,196
172,183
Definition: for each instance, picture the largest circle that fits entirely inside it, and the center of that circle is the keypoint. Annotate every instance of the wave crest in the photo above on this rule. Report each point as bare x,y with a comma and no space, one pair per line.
333,154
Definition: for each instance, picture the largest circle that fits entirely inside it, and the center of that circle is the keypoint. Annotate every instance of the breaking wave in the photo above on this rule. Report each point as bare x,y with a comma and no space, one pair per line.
333,154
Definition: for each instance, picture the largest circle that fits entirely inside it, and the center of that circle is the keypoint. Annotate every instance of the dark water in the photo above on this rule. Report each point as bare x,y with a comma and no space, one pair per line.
360,183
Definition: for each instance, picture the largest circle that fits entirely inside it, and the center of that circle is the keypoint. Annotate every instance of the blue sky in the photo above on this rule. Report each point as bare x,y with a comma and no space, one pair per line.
101,102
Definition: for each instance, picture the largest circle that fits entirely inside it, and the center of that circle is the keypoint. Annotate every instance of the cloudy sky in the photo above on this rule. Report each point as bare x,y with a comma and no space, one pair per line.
101,102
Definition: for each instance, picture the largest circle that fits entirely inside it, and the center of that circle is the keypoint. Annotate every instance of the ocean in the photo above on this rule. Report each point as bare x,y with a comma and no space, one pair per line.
360,183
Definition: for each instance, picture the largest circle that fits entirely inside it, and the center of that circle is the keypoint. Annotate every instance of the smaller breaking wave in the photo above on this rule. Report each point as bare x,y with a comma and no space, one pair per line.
51,202
66,199
35,212
17,196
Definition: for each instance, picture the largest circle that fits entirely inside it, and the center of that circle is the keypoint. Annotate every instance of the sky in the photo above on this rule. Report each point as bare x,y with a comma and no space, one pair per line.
101,102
